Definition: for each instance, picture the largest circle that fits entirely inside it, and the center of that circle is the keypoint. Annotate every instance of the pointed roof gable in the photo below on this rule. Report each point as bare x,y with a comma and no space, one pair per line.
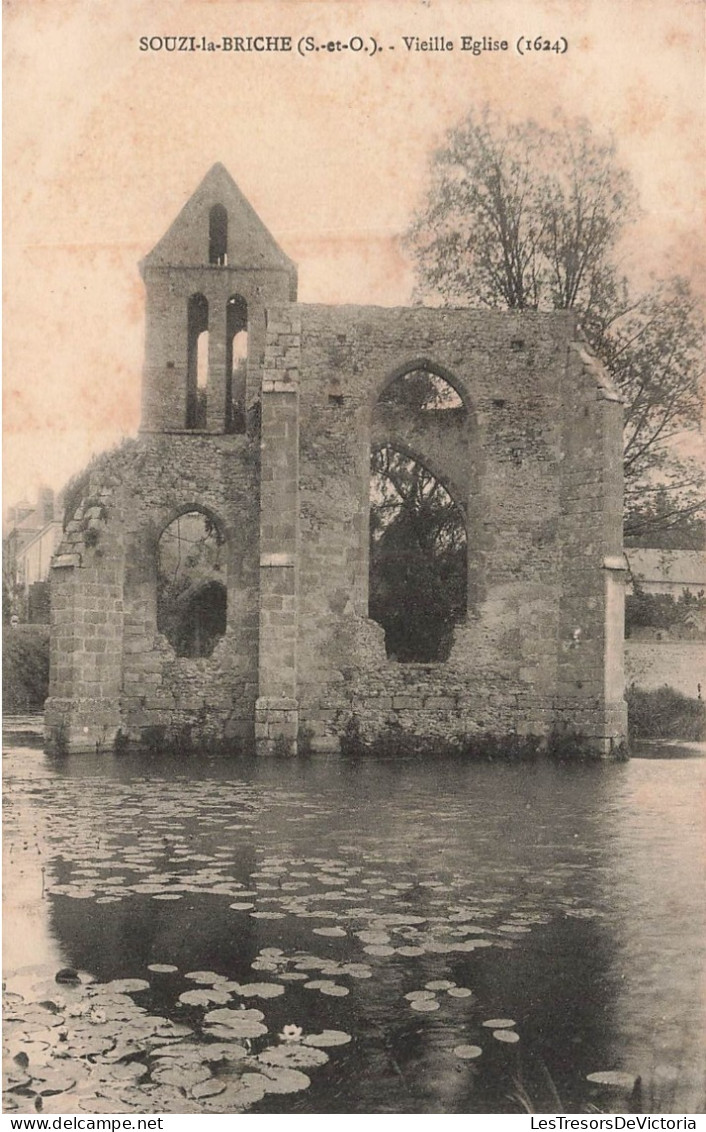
186,241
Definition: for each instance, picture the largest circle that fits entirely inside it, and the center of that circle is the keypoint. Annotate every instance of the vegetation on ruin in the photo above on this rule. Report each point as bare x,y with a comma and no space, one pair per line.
76,493
569,745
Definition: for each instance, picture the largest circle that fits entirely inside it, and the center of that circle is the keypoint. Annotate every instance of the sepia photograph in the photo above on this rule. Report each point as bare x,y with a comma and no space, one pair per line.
354,585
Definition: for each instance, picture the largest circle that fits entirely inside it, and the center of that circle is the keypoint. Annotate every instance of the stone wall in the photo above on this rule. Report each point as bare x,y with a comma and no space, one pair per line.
534,463
679,664
543,504
110,668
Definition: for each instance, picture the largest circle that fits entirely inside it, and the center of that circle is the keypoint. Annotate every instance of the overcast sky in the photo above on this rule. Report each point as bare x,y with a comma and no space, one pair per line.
104,144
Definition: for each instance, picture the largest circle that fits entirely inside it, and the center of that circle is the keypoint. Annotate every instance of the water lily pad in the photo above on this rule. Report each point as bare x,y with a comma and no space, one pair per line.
38,1020
226,1015
425,1005
294,1055
460,992
172,1030
285,1080
613,1078
127,1071
204,997
499,1023
309,963
334,990
240,1094
208,978
210,1088
373,937
439,984
420,996
357,970
332,933
379,949
126,986
241,906
237,1028
508,1036
53,1080
87,1045
260,990
15,1079
328,1038
162,968
467,1053
24,1052
180,1076
167,896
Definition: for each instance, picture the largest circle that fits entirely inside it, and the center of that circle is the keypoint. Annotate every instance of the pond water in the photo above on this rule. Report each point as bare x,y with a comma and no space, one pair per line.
329,936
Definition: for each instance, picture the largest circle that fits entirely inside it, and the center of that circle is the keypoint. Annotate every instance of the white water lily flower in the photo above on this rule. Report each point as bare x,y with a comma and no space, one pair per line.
291,1034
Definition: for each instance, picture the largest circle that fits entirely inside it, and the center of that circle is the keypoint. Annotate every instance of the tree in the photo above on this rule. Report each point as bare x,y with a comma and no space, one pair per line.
654,351
527,217
417,558
521,216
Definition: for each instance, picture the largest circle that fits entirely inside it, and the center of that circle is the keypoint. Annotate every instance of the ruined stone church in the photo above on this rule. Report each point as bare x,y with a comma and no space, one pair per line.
215,572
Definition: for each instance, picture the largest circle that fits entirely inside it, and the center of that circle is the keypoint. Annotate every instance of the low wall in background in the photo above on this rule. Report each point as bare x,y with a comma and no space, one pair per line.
680,664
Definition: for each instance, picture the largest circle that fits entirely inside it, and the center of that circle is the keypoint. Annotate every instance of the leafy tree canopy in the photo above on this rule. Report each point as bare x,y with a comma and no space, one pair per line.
529,217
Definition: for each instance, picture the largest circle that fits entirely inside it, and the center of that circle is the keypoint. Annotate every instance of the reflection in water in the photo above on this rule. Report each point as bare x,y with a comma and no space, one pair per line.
562,897
654,832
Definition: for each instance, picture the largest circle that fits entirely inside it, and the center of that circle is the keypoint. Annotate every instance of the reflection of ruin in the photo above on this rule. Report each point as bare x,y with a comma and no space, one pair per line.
260,419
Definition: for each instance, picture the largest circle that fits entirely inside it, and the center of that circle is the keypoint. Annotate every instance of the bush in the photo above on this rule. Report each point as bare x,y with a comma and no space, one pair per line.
665,714
660,611
25,672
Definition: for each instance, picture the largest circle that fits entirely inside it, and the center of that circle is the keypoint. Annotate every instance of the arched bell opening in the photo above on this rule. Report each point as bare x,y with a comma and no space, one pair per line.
236,363
197,362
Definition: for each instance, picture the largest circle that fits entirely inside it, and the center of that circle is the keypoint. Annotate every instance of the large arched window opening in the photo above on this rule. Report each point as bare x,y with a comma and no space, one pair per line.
418,580
197,362
418,558
191,584
218,236
236,362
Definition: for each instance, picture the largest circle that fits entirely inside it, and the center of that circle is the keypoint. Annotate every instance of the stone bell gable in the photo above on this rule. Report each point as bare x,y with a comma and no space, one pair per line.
215,271
253,467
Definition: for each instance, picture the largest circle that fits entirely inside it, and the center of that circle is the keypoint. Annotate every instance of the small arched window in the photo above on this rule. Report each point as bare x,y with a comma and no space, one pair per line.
218,236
